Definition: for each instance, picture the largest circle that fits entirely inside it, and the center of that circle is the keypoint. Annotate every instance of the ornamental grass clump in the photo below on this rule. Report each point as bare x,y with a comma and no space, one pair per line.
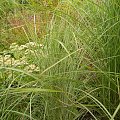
74,74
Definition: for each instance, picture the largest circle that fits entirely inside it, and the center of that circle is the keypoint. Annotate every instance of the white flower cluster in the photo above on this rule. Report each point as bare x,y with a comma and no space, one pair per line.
17,56
29,47
7,60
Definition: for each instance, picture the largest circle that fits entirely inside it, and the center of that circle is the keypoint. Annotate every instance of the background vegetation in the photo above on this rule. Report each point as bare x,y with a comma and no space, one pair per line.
59,60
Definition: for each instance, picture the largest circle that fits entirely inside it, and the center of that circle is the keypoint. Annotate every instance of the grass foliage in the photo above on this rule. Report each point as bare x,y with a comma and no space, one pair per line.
59,60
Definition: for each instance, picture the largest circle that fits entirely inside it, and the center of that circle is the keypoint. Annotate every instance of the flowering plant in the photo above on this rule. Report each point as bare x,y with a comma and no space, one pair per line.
19,56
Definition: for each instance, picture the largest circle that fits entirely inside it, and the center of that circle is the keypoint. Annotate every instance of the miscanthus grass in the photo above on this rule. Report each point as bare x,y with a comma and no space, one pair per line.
59,60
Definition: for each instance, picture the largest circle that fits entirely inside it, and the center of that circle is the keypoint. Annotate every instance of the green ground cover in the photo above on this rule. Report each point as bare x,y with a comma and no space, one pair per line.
59,60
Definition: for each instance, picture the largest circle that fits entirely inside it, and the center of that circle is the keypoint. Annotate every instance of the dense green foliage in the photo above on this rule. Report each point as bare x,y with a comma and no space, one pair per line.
59,60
